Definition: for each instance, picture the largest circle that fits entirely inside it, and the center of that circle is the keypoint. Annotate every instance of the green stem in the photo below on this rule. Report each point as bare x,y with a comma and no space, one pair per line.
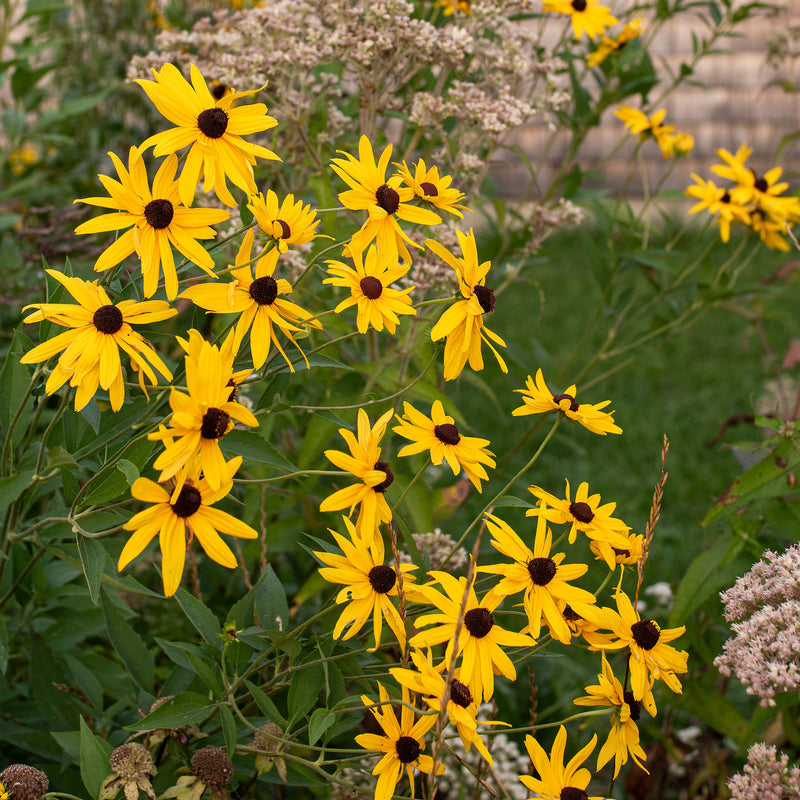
413,481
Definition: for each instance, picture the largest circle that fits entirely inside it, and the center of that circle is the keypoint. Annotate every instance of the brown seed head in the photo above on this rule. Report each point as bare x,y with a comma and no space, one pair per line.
24,782
212,766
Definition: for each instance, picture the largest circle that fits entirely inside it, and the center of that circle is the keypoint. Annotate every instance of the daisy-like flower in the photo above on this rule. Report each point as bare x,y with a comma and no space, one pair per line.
538,399
769,230
193,347
587,16
258,302
170,516
401,744
609,46
157,219
386,201
717,200
677,144
374,476
480,639
368,584
440,436
542,576
200,419
369,282
288,222
99,329
637,122
614,556
430,187
462,323
557,781
213,127
584,513
623,740
451,7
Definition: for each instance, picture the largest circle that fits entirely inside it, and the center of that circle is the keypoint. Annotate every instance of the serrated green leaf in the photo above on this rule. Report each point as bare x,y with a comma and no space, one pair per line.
201,616
135,655
186,708
320,721
93,562
228,730
94,760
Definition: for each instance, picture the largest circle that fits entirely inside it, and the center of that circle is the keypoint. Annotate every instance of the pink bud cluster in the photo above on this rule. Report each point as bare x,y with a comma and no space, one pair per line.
765,776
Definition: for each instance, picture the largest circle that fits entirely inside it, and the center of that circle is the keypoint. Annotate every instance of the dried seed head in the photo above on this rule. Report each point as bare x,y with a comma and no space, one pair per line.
263,739
132,761
212,766
24,782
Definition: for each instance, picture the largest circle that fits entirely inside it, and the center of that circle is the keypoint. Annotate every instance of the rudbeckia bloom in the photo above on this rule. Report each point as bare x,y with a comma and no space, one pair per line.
374,476
401,744
98,330
587,16
624,736
769,230
430,187
213,127
628,555
480,639
368,584
639,123
538,399
287,223
609,46
170,517
450,7
557,781
193,347
717,201
369,282
462,323
439,435
542,576
258,302
157,221
386,201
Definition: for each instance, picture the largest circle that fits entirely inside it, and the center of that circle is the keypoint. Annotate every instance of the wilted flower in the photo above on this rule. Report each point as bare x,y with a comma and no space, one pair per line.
24,782
132,767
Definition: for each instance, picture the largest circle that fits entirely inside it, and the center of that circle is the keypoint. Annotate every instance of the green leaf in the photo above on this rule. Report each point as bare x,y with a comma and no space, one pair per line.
271,607
3,646
251,445
70,484
87,681
268,708
93,561
15,379
94,760
303,693
320,721
111,484
228,730
136,656
201,616
245,214
12,487
186,708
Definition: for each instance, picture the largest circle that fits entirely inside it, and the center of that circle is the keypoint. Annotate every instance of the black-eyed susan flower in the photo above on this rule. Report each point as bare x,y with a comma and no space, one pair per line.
429,186
258,302
611,46
717,201
637,122
538,399
374,476
452,7
677,144
193,347
623,740
586,16
770,231
369,281
480,639
157,219
541,575
99,329
558,781
618,556
367,583
402,743
286,223
214,128
462,324
439,435
386,201
171,516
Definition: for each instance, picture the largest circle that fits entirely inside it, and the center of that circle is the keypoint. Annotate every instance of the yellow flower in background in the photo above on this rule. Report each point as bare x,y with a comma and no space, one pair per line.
462,324
374,475
769,230
214,128
288,222
99,329
429,186
170,517
439,435
677,144
369,281
258,302
538,399
451,7
717,201
609,46
670,142
368,584
157,221
586,16
401,744
623,740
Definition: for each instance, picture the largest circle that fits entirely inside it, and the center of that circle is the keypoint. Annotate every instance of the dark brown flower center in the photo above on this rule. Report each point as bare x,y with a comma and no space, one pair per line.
447,433
485,297
582,512
188,501
107,319
726,197
570,615
234,390
213,122
645,633
371,287
264,290
573,403
159,213
215,423
478,621
286,231
621,553
460,694
429,189
382,578
387,198
579,5
407,749
760,185
542,570
570,792
384,468
635,705
218,92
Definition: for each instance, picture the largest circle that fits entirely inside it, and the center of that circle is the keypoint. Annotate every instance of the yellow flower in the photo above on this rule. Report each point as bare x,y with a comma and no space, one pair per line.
677,144
538,399
450,7
440,436
287,223
258,302
98,330
462,323
717,201
401,743
630,554
368,585
213,127
587,16
639,123
609,46
171,515
770,231
430,187
193,347
157,221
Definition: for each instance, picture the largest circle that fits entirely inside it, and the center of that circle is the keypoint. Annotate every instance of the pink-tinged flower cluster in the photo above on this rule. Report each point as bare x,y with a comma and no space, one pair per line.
766,776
